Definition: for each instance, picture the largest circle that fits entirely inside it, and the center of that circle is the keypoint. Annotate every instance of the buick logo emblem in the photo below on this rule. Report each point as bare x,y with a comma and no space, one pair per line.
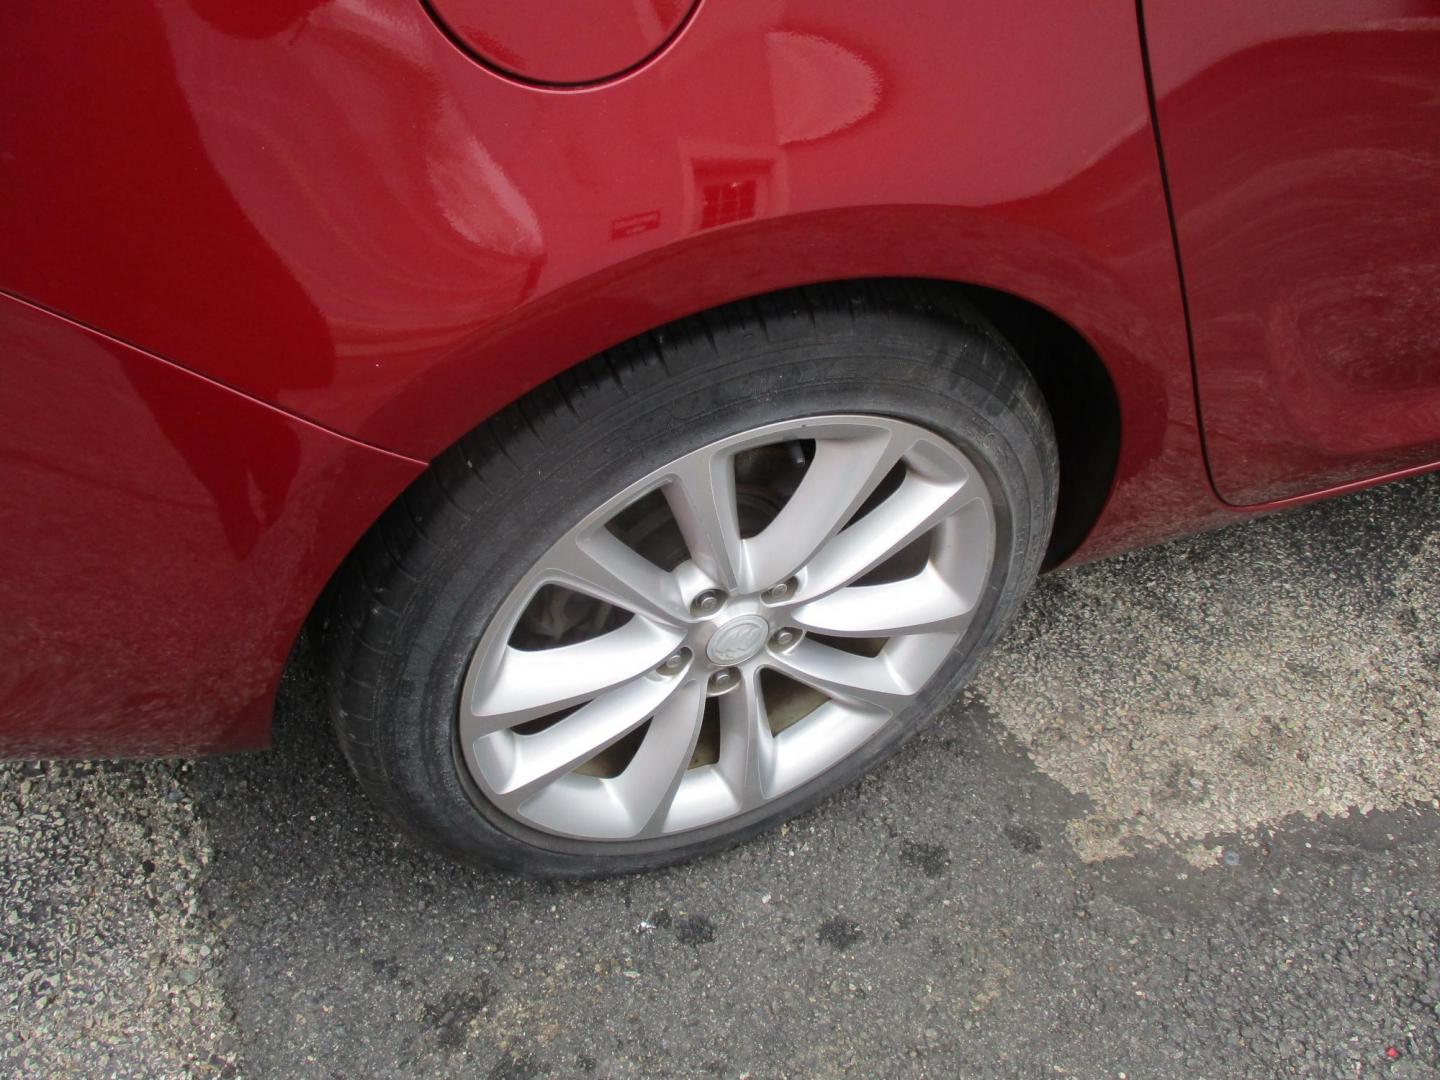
739,639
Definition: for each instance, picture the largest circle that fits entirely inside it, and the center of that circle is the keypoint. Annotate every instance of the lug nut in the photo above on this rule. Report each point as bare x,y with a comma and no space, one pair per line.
783,639
708,602
776,593
723,680
674,663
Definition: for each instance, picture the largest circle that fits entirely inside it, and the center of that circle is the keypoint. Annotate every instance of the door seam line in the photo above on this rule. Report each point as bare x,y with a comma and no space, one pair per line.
1158,141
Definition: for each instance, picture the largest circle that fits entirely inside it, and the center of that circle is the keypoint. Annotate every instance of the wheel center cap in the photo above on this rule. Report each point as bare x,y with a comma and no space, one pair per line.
738,640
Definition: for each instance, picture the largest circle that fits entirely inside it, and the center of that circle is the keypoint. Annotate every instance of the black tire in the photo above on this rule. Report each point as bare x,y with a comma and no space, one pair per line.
416,594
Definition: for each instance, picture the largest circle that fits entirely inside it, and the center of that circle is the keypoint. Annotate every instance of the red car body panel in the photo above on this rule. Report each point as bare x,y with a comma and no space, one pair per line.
1302,145
163,538
333,208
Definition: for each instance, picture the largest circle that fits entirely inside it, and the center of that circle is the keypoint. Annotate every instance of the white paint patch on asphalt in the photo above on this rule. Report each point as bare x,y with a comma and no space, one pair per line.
1223,683
107,965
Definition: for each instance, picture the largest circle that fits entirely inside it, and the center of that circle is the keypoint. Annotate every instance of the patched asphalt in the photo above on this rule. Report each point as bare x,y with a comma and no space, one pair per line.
1184,825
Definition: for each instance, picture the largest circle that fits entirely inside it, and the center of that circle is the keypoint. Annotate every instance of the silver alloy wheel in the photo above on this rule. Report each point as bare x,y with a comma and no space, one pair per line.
652,711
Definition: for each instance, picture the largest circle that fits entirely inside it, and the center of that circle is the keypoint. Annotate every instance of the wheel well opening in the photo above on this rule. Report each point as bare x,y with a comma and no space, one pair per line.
1078,393
1077,390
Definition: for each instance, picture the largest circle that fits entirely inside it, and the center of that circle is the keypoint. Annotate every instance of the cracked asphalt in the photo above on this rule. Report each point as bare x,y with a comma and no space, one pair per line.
1185,825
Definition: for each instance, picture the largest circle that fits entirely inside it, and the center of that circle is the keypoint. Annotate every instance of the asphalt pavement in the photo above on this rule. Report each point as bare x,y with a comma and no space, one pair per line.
1186,824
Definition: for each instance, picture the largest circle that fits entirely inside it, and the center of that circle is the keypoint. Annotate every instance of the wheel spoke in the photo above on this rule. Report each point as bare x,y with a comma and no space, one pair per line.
601,565
747,746
845,471
647,786
701,494
526,685
915,508
525,764
868,681
915,605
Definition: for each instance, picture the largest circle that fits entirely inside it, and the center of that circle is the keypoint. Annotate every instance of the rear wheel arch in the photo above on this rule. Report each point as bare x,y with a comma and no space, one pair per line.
1075,382
910,306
